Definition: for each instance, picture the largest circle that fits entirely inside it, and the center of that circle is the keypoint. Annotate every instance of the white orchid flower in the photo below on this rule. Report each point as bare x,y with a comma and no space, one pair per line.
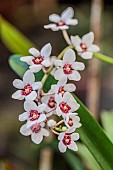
27,87
33,113
61,87
67,67
72,120
37,132
49,100
65,104
62,22
85,46
67,140
39,59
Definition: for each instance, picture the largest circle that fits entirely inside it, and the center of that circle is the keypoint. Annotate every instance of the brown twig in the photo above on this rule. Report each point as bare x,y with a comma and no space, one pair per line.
94,70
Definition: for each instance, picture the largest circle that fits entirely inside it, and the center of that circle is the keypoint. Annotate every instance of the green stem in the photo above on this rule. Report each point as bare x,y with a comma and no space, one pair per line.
103,58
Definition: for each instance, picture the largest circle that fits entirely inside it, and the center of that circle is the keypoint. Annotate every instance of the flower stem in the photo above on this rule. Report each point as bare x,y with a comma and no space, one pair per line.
59,123
66,37
103,58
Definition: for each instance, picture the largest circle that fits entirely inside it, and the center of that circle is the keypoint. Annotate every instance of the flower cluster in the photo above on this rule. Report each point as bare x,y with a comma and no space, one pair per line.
42,108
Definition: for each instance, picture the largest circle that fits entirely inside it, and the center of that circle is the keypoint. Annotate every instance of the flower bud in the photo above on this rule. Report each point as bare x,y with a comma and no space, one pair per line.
51,123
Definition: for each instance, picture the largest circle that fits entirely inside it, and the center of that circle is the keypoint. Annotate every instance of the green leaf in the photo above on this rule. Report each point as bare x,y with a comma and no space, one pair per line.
87,157
17,65
14,40
73,161
93,136
107,122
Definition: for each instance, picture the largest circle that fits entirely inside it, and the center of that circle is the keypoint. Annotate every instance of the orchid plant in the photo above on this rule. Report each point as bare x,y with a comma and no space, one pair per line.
56,110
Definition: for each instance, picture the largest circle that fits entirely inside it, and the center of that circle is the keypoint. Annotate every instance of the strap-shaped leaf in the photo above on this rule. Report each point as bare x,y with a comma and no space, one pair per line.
14,40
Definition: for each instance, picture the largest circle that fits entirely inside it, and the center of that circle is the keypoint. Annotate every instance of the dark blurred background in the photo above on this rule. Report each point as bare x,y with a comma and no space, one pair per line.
29,16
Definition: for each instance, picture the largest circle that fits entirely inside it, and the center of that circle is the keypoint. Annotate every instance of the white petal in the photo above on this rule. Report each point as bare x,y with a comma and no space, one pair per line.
79,49
62,147
69,56
27,59
74,76
59,74
76,121
31,96
76,40
34,52
78,66
50,26
58,63
46,51
88,38
93,48
74,105
54,88
25,131
45,132
35,68
54,18
41,118
66,96
37,85
73,146
87,55
58,98
37,137
75,136
70,130
30,105
41,107
23,116
64,27
61,136
28,77
58,111
62,82
67,14
72,22
46,63
49,114
18,95
69,87
45,99
19,84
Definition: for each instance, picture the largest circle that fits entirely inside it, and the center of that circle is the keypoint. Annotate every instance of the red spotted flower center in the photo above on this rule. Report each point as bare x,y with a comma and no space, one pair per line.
61,23
67,69
34,115
64,107
27,90
67,139
38,60
83,46
35,128
51,102
61,90
70,122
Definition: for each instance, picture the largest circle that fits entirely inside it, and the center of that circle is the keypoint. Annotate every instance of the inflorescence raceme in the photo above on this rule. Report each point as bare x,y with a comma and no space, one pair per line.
42,108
